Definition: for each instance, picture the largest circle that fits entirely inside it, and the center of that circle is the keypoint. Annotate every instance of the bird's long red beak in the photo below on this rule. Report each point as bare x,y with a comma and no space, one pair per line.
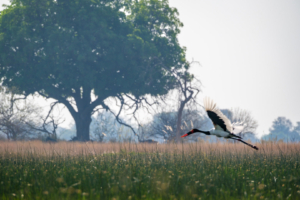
185,135
189,133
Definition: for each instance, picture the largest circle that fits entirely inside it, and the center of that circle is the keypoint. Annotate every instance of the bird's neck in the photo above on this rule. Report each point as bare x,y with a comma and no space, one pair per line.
205,132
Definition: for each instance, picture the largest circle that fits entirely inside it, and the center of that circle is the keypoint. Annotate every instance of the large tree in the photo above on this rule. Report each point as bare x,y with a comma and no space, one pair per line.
283,129
69,50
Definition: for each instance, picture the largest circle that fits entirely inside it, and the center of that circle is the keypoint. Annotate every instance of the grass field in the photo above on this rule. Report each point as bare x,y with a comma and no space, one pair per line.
35,170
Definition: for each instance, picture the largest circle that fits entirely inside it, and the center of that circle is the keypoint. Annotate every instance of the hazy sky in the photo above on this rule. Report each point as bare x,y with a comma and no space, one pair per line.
249,53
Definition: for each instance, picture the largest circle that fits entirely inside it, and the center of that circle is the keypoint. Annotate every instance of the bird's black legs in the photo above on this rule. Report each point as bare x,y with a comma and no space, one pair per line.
254,147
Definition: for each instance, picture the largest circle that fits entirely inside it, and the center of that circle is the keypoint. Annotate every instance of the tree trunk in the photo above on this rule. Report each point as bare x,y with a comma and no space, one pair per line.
83,127
83,114
179,119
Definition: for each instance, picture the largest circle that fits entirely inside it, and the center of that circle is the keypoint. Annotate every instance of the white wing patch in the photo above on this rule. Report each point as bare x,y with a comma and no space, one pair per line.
237,127
209,105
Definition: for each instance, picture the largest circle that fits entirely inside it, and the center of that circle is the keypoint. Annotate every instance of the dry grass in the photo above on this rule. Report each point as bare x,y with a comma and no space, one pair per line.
66,170
39,148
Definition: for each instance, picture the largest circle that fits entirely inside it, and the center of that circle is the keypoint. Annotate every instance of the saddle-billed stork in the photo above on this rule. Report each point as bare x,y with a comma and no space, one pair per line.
223,127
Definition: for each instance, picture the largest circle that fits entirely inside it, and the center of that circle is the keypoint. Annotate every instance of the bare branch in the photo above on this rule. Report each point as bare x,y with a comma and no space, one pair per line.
119,120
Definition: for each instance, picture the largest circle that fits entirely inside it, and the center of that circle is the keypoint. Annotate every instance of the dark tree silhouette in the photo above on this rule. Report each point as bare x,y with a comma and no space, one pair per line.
73,50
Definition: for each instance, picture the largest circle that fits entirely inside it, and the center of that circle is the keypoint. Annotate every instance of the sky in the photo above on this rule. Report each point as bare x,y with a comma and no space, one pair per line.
249,54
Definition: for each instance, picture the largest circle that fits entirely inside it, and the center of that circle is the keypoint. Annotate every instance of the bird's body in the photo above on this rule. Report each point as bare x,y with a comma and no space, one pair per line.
220,133
222,125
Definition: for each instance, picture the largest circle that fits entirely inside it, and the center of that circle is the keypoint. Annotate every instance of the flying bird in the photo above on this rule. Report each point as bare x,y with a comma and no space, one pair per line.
223,127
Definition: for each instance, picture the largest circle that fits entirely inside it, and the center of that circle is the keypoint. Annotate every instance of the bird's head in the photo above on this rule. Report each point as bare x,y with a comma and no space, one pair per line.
191,132
195,131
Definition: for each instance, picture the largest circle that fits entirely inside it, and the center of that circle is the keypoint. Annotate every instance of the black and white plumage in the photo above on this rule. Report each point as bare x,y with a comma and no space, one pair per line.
222,125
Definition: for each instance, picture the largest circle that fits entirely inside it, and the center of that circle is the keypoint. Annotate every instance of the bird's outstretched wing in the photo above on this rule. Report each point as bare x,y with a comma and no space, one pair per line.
216,116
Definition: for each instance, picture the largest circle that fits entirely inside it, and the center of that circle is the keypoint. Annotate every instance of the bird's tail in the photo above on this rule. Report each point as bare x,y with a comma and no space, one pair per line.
250,145
234,136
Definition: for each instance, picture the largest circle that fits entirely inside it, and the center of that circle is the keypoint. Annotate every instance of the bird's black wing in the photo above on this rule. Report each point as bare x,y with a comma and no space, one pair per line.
216,119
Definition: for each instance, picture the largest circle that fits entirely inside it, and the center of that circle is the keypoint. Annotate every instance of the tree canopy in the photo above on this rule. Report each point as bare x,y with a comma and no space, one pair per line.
71,49
283,129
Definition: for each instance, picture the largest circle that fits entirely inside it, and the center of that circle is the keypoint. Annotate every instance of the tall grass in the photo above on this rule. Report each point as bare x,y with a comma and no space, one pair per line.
35,170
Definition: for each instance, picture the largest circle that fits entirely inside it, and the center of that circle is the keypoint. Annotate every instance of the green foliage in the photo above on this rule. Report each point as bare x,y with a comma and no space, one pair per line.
130,175
72,48
60,46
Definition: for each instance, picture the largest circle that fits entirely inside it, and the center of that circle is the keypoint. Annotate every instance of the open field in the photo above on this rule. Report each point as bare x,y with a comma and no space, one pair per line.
36,170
